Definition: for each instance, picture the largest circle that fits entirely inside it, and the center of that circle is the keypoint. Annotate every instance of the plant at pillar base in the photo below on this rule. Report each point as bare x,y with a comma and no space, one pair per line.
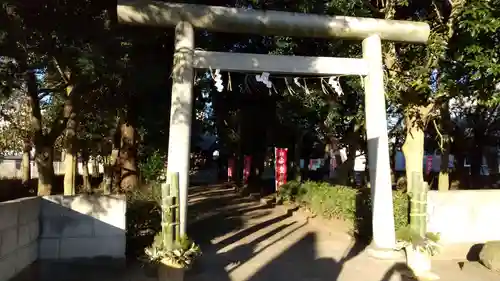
418,244
181,254
408,238
172,252
418,248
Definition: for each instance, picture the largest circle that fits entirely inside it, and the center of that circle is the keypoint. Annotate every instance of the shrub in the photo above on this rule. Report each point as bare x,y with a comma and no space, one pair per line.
342,202
152,167
143,218
288,192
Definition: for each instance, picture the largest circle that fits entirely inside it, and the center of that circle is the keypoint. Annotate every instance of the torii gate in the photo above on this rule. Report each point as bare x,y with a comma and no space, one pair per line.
185,17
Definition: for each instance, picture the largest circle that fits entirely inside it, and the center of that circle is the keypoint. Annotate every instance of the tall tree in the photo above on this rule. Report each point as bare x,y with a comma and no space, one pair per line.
15,131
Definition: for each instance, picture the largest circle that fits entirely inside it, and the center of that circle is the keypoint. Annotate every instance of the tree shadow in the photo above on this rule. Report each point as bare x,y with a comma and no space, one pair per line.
363,213
363,221
301,262
400,270
209,189
214,216
298,262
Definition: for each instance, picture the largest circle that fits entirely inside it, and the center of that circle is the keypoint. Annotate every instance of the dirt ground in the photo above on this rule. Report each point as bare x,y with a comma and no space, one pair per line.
246,240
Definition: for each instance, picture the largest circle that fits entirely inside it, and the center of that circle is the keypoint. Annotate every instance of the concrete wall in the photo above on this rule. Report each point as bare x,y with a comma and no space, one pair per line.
82,226
464,216
19,228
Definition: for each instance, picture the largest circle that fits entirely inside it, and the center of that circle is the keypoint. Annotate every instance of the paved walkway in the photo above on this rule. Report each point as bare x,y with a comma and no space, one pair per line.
245,240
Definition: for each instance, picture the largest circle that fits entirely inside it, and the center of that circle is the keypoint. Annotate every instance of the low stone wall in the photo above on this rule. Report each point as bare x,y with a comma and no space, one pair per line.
464,216
82,226
19,228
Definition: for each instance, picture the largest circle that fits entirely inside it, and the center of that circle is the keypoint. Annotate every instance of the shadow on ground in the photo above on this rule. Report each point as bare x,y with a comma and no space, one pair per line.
222,231
236,234
216,211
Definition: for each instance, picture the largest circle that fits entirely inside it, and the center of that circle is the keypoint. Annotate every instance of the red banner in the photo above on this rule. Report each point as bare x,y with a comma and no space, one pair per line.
246,168
428,164
230,169
281,166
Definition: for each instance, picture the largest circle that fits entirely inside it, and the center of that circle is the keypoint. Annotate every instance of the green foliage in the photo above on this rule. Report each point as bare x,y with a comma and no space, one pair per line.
183,254
148,193
342,202
112,65
143,218
407,236
153,167
475,51
288,192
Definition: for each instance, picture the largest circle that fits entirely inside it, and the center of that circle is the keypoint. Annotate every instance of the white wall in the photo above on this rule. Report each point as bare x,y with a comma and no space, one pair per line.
464,215
463,218
60,227
82,226
19,229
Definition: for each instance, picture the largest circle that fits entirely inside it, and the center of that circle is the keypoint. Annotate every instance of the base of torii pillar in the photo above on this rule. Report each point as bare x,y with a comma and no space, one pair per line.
385,254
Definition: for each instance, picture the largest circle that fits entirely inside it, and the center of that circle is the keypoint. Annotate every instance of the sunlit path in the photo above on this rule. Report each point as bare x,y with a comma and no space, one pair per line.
244,239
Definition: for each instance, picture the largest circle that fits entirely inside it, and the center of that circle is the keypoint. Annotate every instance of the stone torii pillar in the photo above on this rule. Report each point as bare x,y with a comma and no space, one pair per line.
179,140
233,20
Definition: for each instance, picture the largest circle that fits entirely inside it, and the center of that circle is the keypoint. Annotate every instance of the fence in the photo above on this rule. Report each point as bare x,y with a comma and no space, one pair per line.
11,169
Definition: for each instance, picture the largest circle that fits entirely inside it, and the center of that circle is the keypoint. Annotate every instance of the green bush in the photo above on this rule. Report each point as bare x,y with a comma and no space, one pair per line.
152,167
342,202
143,218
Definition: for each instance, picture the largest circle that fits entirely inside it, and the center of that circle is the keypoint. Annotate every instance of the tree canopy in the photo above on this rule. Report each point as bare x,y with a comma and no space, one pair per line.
74,80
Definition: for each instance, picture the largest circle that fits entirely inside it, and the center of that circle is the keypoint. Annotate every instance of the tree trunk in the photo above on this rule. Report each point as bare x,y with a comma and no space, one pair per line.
460,173
95,167
476,157
86,175
44,142
128,157
45,166
446,128
109,168
346,169
476,161
44,153
305,171
492,162
444,174
87,186
239,161
256,169
71,154
26,164
325,168
413,150
43,150
114,170
70,164
297,154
